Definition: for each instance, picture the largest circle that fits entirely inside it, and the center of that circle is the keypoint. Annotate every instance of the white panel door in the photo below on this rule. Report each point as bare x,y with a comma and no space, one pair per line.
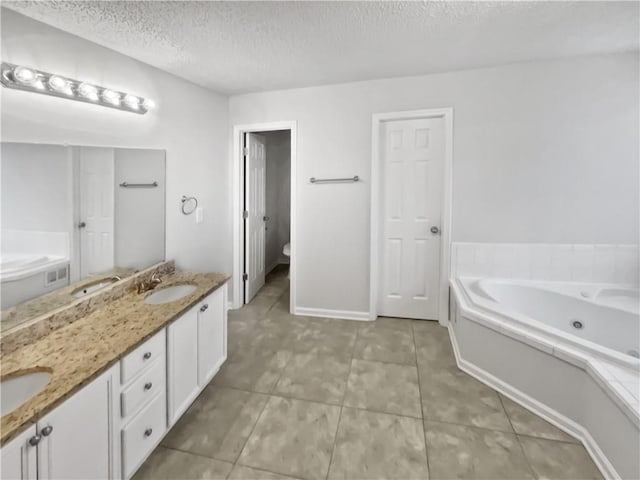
412,156
76,436
96,210
255,205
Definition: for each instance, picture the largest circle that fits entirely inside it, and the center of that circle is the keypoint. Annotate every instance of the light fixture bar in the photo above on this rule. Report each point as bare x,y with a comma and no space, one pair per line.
37,81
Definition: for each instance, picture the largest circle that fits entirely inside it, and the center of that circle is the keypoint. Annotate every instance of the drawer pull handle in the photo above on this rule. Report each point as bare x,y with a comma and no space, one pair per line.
147,356
148,385
46,431
204,307
148,432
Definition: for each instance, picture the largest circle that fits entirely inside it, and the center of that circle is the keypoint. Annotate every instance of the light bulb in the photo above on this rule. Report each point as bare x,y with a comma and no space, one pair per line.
60,84
111,97
24,75
88,91
132,102
149,104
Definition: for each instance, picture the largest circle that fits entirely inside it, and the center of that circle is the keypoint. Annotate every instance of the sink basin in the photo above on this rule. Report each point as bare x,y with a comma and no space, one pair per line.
17,390
93,287
170,294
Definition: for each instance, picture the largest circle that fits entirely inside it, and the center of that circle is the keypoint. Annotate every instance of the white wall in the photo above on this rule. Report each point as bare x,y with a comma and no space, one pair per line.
37,193
278,195
190,123
139,212
543,152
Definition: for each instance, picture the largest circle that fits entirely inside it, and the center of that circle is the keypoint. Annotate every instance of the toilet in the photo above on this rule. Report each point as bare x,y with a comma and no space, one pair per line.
286,251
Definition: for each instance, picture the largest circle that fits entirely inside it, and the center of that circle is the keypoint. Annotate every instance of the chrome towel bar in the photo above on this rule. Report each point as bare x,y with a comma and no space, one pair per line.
139,185
354,179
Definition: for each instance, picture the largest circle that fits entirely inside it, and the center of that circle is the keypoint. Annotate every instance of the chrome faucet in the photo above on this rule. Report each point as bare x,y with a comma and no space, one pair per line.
155,280
142,286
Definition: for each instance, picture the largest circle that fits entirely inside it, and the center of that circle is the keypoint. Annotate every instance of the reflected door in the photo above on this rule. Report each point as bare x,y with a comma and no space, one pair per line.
412,176
255,206
96,210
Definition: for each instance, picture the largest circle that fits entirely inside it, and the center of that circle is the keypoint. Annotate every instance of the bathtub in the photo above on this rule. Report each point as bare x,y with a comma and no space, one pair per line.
566,351
603,320
15,266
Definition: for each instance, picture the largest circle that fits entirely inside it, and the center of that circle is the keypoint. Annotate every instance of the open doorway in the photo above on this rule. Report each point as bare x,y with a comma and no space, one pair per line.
264,169
267,206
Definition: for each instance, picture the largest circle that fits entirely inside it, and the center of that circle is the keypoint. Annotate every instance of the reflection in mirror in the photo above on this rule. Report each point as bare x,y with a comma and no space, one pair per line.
75,220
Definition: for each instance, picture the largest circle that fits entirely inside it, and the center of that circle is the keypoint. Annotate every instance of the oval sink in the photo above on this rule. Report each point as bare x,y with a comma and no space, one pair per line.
170,294
17,390
94,286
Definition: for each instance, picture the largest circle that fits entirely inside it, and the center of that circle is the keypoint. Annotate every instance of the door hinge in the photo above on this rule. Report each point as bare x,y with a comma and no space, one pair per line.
245,277
245,151
245,214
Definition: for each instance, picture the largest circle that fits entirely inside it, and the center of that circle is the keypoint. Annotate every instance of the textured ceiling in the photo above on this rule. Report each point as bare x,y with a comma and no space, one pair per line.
236,47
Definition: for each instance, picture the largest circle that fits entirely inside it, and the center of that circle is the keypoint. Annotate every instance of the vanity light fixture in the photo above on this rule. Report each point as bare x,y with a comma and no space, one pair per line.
31,80
88,91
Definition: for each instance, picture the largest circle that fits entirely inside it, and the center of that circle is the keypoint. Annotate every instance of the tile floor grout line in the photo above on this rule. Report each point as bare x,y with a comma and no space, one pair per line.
244,445
524,454
261,469
335,443
547,439
424,427
201,455
344,396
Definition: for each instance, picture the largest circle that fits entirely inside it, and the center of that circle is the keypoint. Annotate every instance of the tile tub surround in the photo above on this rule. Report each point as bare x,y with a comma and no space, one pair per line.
272,422
52,319
540,261
79,351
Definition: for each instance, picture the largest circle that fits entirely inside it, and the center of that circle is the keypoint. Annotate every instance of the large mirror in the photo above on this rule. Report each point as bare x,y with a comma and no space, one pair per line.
74,220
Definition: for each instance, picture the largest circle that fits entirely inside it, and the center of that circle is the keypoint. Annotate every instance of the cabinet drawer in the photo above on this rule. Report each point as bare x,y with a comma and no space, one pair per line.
142,356
144,388
142,434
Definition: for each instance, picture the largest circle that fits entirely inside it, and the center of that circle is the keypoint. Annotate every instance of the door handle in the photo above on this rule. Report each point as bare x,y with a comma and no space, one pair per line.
265,218
435,230
46,431
82,224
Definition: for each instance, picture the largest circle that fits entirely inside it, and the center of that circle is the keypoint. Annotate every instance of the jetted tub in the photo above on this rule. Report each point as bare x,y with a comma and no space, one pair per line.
601,319
566,351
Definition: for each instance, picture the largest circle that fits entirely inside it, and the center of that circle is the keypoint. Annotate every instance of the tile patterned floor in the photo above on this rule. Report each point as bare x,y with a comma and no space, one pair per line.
322,399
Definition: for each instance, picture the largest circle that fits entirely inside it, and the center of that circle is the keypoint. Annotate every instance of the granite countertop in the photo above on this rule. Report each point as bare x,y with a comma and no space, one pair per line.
77,353
35,307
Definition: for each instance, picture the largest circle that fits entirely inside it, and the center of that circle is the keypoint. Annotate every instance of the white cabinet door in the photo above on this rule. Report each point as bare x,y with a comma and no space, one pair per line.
77,437
212,335
18,457
182,362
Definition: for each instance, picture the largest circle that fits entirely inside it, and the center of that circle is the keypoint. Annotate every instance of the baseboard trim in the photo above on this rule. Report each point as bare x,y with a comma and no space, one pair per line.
341,314
552,416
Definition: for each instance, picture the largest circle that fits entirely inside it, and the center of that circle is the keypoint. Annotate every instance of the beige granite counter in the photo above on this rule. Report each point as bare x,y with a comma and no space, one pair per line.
25,311
77,353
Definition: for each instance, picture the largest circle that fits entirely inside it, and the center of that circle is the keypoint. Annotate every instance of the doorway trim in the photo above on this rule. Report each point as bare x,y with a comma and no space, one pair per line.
445,246
238,196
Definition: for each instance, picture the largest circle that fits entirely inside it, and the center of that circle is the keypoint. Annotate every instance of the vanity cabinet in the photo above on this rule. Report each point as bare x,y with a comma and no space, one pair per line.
212,335
196,348
18,457
182,374
71,442
143,402
109,428
75,438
